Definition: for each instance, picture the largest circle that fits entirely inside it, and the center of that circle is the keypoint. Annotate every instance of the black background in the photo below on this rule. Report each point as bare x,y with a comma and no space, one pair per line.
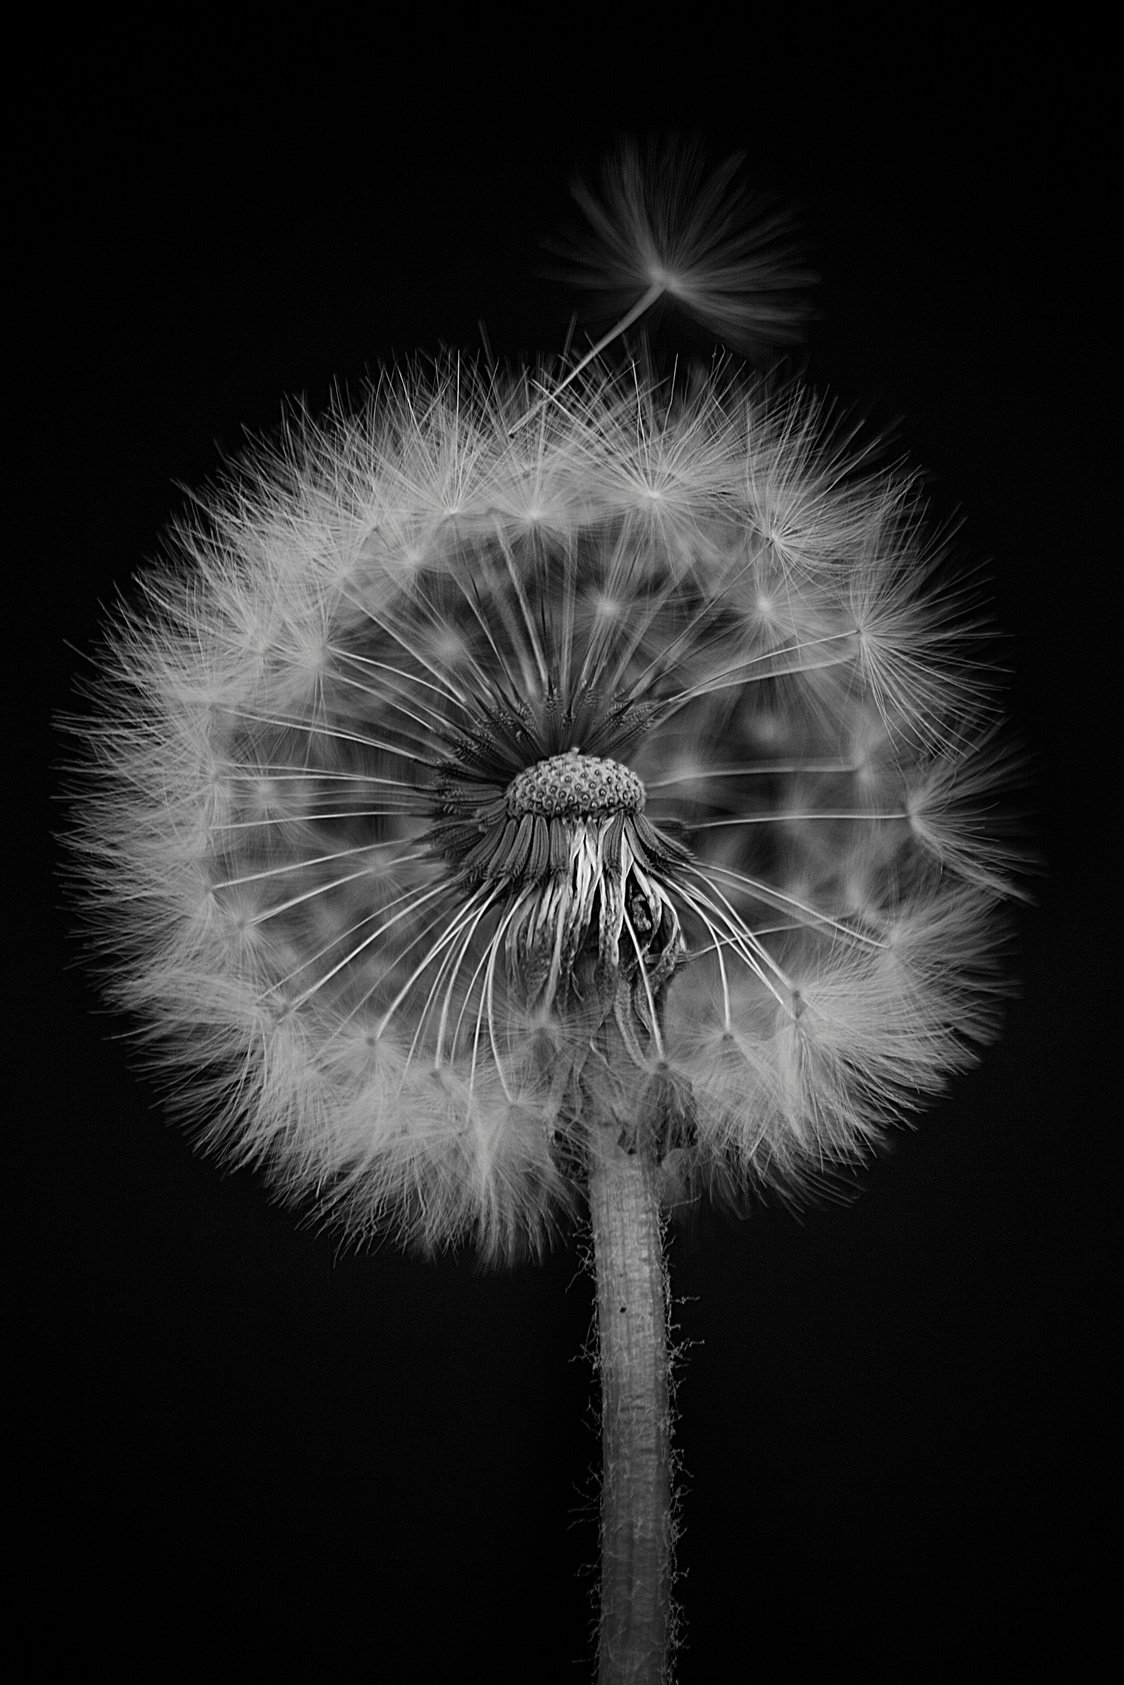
245,1451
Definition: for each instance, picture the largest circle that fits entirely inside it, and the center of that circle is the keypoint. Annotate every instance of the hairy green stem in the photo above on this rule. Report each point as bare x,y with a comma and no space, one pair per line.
636,1517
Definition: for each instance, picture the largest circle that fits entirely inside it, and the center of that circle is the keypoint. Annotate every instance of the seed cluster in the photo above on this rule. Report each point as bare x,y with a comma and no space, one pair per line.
574,785
452,741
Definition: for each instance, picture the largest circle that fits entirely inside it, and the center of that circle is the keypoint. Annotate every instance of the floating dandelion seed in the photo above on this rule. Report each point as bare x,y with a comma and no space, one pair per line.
522,779
661,226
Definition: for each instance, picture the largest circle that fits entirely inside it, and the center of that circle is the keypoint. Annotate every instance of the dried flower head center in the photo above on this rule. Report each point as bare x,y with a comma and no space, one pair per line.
574,786
592,919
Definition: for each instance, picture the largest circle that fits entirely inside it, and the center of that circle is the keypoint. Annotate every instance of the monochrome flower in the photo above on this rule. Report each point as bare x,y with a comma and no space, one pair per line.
460,734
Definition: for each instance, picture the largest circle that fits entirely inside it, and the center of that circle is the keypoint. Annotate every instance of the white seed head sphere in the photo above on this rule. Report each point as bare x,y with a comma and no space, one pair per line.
466,727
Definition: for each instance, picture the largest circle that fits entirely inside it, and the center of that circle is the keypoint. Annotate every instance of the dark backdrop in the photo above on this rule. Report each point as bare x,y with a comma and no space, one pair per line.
249,1453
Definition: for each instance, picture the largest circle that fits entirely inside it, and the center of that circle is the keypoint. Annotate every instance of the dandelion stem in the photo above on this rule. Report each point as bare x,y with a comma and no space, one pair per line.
636,1513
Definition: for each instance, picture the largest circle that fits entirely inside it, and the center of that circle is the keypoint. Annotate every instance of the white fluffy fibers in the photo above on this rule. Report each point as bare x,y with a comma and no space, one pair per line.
327,876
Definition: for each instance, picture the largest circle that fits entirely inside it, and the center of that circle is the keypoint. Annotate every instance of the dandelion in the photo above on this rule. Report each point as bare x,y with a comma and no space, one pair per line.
524,795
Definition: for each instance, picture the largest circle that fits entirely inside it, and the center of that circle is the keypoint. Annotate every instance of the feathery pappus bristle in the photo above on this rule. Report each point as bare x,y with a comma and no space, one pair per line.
663,228
447,743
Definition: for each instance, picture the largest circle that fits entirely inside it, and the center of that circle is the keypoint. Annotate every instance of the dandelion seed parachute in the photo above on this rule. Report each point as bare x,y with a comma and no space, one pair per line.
447,739
661,226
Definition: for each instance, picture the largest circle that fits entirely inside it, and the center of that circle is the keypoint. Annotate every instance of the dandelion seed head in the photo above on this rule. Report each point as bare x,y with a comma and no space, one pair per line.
511,721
